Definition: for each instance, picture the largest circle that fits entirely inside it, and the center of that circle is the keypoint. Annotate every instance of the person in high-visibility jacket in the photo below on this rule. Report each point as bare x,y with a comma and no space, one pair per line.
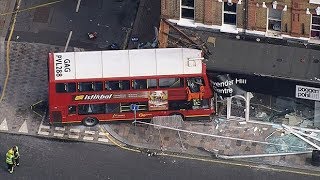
10,160
16,155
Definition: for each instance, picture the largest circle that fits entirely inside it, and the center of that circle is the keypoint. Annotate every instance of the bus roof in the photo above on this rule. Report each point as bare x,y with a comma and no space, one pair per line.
126,63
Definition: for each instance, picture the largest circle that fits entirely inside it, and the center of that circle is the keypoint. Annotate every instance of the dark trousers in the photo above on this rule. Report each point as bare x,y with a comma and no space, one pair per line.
10,167
16,161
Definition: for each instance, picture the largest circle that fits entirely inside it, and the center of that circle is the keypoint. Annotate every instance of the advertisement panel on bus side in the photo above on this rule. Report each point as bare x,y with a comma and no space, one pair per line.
158,100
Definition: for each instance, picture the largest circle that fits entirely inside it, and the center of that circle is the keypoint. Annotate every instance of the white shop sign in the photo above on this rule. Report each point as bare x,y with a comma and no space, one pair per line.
310,93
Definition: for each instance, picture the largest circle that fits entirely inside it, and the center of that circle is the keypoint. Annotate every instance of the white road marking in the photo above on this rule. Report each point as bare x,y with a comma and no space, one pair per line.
88,138
44,127
75,130
60,128
58,134
24,127
103,139
90,132
78,5
68,40
73,136
4,125
43,133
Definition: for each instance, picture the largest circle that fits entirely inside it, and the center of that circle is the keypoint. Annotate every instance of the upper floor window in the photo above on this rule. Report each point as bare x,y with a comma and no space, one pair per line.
229,13
274,19
315,27
187,9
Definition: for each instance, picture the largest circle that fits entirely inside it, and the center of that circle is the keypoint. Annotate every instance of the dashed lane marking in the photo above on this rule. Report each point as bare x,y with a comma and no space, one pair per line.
73,136
4,125
88,138
24,127
90,132
58,134
75,130
60,128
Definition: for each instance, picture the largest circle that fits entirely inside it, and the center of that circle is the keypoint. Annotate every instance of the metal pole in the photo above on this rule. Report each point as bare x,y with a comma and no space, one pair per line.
135,117
228,107
247,106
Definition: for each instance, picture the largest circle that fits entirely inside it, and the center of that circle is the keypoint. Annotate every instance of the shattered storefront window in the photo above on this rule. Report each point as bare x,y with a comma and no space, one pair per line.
284,110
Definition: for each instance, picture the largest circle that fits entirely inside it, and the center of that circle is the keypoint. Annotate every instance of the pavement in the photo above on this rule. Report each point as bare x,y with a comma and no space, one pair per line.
27,87
217,138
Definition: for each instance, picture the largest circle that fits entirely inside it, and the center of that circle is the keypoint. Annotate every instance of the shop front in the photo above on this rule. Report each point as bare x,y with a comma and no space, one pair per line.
272,100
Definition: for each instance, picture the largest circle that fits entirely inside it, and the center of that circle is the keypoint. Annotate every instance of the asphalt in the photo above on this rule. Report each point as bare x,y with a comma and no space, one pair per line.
52,24
51,159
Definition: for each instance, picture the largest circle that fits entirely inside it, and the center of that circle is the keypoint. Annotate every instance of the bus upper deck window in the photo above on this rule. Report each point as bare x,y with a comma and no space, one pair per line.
194,84
139,84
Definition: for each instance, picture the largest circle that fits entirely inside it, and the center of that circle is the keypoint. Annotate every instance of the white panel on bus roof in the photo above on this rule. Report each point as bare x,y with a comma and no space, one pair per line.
88,64
192,61
115,63
169,61
64,66
142,62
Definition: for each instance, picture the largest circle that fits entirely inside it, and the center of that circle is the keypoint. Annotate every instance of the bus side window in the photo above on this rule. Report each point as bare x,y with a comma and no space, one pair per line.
60,87
85,86
118,85
171,82
72,109
65,87
71,87
194,84
97,86
151,83
139,84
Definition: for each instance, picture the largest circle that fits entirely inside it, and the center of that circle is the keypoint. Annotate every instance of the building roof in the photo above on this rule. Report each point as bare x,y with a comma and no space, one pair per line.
127,63
230,55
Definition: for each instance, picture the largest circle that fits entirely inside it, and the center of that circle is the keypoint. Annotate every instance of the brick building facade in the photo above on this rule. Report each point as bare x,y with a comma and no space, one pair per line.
281,18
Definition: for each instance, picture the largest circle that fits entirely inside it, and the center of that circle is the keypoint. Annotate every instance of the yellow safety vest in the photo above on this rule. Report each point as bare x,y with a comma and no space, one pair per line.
9,157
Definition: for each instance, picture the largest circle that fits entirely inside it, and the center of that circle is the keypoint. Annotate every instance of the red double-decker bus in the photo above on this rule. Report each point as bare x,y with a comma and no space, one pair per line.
95,86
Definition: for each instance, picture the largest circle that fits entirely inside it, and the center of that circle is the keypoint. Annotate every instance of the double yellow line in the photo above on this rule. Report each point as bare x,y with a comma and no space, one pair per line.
10,36
30,8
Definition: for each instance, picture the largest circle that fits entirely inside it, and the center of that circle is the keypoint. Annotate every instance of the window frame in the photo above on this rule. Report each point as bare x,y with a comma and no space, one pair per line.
229,13
315,25
274,19
187,8
66,87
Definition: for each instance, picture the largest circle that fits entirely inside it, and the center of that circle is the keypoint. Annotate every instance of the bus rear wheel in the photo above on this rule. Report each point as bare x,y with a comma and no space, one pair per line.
90,121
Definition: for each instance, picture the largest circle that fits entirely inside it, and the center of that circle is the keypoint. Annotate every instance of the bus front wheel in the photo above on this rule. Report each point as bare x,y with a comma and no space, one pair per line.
90,121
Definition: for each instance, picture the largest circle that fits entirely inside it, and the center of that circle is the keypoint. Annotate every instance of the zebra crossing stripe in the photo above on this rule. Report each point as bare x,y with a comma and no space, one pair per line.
4,125
88,138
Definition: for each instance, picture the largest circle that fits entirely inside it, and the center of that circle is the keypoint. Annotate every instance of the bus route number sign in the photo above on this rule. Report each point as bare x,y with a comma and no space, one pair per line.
134,107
